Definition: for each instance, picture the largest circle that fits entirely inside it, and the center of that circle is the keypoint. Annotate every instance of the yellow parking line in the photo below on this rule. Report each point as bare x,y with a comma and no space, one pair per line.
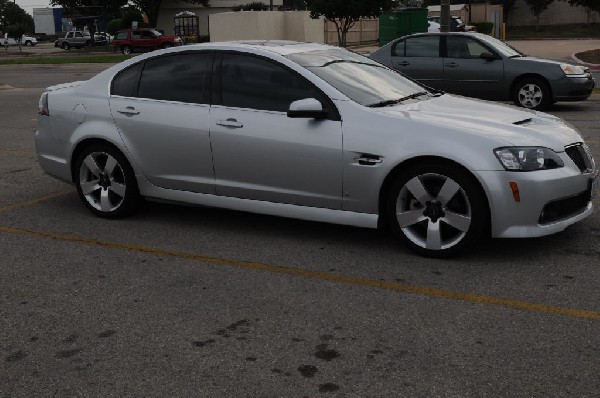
324,276
34,201
15,152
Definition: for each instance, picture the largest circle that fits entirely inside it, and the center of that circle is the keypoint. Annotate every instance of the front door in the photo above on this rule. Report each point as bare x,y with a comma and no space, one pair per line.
259,152
466,73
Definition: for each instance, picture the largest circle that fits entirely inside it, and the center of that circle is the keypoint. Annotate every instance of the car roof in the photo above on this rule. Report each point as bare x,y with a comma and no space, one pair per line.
281,47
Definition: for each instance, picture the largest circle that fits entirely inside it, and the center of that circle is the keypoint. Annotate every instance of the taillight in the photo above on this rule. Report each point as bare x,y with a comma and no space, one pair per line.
43,105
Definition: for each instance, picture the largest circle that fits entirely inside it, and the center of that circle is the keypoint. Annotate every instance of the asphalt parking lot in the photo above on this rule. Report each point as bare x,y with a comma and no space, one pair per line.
185,301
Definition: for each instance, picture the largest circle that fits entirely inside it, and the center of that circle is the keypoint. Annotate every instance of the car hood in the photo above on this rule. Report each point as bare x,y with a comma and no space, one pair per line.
504,123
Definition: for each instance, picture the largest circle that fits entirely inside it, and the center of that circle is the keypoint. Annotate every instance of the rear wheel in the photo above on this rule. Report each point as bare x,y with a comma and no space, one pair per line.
106,182
532,93
437,209
126,50
66,46
28,43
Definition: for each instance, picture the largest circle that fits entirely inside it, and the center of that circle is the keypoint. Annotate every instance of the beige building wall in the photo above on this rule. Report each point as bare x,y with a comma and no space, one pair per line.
170,8
266,25
558,13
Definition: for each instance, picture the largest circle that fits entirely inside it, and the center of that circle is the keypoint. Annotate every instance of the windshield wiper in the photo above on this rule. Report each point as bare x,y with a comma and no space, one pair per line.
397,101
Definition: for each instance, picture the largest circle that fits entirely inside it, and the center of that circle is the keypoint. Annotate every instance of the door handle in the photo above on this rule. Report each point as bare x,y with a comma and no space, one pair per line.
230,123
368,161
451,64
130,110
402,63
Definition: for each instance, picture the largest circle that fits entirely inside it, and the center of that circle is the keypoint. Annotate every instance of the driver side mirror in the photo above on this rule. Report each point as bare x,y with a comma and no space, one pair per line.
487,56
308,108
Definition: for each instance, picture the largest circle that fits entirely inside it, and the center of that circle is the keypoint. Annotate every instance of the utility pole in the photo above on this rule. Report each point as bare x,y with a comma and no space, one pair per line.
445,15
271,5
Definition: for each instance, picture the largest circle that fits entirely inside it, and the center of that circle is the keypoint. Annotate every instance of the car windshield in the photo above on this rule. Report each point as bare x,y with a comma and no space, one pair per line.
359,78
501,47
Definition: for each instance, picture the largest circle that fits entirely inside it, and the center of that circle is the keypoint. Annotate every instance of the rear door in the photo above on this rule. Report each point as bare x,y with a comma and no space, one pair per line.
419,57
161,107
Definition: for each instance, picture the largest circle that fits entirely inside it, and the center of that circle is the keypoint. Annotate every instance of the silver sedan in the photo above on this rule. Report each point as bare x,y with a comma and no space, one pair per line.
313,132
477,65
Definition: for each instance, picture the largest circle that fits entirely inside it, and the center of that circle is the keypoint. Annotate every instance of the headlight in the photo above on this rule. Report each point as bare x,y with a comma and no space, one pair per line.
528,158
573,69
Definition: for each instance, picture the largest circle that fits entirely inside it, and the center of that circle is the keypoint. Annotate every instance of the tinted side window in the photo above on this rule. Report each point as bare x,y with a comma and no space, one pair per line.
422,46
126,82
121,36
181,77
464,47
398,49
255,83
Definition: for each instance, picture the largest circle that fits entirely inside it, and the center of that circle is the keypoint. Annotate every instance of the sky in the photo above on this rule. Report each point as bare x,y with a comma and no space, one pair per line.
29,5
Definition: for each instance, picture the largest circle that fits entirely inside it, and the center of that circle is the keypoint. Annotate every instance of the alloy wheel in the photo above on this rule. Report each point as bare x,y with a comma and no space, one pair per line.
102,182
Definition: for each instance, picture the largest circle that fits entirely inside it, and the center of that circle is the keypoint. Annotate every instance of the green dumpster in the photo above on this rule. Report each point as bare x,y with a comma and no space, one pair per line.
400,23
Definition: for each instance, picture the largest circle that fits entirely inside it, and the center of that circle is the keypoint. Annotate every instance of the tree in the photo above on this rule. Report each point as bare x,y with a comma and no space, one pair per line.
589,5
345,13
87,12
152,7
537,7
12,15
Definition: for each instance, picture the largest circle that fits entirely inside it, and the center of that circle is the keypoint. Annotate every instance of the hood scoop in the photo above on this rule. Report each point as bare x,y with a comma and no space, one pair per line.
523,122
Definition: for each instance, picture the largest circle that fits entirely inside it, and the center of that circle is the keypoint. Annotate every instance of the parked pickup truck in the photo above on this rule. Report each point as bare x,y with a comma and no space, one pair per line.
26,40
75,39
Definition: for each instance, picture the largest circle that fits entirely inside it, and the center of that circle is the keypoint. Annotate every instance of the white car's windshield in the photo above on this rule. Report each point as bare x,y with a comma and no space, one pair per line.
359,78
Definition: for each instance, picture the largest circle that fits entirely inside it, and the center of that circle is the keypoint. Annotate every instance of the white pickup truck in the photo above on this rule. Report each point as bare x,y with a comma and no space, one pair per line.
26,40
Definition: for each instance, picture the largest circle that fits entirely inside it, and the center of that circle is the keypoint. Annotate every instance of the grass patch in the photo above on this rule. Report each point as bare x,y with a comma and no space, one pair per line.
97,59
596,90
568,31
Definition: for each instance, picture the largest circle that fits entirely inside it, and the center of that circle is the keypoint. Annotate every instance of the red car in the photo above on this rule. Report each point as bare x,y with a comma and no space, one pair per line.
145,39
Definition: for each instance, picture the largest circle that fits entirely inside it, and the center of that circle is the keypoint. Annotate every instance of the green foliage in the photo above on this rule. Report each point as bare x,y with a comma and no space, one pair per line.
592,5
538,6
14,19
254,6
130,15
113,25
483,27
345,13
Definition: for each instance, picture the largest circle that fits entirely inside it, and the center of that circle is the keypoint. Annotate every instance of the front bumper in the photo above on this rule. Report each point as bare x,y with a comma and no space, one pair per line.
550,200
573,88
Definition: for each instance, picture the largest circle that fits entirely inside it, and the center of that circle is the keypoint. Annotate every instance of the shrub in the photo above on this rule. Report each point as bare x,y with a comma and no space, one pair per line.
254,6
483,27
112,26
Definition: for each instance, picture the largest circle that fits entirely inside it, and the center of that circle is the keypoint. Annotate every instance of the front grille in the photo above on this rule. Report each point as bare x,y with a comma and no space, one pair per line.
582,158
564,208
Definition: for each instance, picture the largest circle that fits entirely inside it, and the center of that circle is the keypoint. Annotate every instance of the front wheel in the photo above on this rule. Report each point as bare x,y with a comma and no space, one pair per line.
437,209
28,43
106,182
532,93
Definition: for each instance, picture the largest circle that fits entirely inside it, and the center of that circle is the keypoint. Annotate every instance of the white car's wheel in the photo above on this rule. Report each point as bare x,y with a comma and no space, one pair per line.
437,209
105,181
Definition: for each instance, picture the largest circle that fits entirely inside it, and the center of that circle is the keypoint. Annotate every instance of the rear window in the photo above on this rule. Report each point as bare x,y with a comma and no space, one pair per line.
121,36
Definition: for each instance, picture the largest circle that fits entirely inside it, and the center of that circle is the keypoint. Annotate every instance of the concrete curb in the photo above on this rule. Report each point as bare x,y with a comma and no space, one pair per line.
591,66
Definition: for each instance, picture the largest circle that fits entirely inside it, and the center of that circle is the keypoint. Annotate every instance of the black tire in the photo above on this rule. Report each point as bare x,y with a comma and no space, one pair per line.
126,50
166,45
105,181
436,222
28,43
532,93
66,46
